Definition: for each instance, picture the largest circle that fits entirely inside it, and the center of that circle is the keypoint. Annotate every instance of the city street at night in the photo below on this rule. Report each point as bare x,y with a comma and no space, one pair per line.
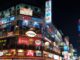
39,30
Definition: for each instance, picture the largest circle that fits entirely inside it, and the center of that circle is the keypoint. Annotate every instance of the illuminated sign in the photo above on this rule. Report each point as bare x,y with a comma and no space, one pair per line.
36,24
1,53
26,11
48,12
12,18
38,53
4,20
47,43
30,53
23,40
30,34
13,51
50,55
7,20
66,48
38,42
36,19
56,57
25,23
20,52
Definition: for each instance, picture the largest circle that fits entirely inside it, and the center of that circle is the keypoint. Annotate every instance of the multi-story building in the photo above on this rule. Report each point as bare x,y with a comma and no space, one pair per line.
24,33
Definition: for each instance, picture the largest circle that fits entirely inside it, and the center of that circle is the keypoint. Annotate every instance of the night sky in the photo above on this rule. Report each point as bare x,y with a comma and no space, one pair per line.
65,15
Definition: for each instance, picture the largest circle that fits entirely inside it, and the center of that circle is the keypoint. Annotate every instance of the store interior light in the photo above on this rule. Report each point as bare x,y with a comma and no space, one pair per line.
20,50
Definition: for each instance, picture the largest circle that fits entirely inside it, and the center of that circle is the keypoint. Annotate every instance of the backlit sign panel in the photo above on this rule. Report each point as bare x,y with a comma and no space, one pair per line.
38,53
1,53
30,34
48,12
25,23
36,25
12,18
30,53
26,11
7,20
23,40
36,19
38,42
20,52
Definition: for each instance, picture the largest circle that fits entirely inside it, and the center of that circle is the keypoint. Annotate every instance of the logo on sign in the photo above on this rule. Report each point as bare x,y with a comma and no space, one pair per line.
31,34
38,42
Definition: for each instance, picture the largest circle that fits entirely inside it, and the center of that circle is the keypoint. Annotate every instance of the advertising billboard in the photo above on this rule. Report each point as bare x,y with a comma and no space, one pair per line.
26,11
48,12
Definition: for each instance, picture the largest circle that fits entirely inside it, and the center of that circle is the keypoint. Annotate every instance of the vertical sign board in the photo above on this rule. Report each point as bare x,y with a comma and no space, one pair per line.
48,12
